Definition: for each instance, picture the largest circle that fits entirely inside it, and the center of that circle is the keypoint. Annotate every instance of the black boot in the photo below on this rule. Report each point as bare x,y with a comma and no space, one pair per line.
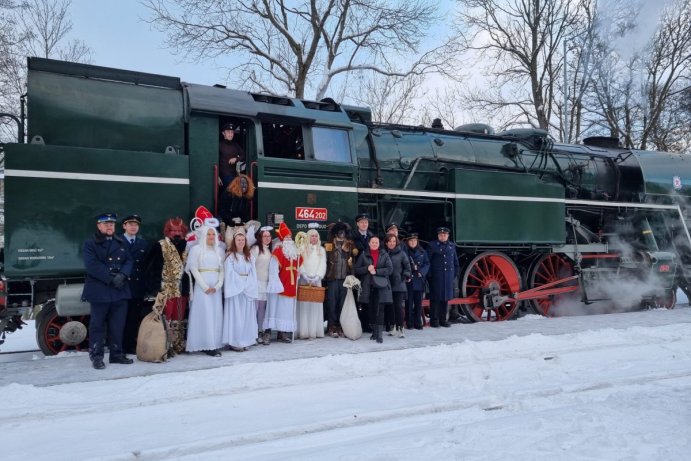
380,330
374,332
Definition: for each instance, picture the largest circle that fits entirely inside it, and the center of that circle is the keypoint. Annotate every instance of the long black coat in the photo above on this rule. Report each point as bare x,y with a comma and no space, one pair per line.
443,270
103,259
419,267
384,267
139,251
401,269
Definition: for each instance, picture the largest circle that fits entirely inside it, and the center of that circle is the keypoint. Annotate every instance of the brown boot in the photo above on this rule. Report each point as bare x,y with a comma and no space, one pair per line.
284,337
266,337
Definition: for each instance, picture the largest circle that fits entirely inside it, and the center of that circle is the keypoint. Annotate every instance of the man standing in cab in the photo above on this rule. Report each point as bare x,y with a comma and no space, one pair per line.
443,272
108,265
230,154
138,248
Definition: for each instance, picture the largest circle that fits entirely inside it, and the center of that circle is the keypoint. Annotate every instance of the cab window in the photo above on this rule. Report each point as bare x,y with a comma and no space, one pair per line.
283,140
331,145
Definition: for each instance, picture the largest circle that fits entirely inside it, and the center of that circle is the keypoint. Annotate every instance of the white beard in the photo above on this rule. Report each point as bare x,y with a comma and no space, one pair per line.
289,249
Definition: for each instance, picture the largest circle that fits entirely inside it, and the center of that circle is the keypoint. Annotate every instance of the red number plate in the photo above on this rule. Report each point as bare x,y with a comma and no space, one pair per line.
311,214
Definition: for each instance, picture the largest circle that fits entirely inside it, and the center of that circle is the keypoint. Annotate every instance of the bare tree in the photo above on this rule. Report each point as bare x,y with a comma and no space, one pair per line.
32,28
391,99
46,24
522,41
668,69
637,97
10,38
296,46
444,103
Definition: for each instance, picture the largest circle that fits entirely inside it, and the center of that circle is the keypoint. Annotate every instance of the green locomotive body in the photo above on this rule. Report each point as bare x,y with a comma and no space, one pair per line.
524,212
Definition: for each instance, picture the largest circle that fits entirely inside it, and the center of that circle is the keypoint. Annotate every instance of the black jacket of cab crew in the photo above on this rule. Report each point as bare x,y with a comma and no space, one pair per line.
384,268
361,241
139,250
103,259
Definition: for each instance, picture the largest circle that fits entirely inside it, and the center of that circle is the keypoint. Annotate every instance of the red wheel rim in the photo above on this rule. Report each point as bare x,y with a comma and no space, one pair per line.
550,268
491,271
51,334
669,300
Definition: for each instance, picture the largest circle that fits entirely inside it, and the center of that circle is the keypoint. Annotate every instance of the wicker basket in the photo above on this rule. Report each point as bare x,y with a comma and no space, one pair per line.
310,294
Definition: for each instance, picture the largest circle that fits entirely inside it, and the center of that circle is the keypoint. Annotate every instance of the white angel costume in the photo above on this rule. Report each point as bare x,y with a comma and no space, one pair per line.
205,324
311,314
239,307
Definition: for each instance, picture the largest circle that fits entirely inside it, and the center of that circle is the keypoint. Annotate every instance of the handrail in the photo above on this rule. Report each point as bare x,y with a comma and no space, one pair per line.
20,126
215,189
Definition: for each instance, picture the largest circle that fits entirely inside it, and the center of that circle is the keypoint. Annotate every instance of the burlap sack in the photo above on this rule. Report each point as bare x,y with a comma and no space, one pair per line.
350,323
152,341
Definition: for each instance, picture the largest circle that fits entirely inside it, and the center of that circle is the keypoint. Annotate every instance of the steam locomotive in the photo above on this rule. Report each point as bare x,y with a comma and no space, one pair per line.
553,228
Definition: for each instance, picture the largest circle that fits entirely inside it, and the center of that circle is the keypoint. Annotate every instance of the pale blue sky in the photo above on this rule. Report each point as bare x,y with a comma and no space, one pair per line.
119,38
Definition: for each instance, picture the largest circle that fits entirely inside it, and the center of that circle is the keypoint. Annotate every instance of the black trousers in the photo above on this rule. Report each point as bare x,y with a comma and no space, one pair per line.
376,310
110,316
135,314
394,313
414,308
437,312
335,297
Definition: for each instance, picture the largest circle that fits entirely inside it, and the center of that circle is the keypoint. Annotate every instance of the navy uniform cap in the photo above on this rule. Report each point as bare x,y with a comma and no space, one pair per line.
361,216
442,229
412,235
389,226
229,126
106,217
132,218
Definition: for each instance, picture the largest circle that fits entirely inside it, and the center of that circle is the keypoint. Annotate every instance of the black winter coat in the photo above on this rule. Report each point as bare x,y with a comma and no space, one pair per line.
384,267
419,262
139,251
443,270
401,269
103,259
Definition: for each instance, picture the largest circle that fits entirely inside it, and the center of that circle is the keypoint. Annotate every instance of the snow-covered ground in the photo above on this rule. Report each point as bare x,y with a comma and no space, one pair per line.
603,387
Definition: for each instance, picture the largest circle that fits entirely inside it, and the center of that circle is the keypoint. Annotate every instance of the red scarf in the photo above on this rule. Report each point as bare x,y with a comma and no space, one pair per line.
375,256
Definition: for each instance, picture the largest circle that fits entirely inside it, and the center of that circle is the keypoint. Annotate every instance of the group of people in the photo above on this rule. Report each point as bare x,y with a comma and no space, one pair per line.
236,291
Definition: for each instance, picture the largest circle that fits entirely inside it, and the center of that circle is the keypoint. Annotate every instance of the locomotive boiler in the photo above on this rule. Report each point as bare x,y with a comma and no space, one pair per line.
557,229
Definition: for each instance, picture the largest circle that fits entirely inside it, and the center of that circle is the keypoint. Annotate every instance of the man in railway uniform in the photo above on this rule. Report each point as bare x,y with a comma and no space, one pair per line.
138,248
108,264
231,155
442,274
166,279
361,234
360,237
340,253
419,265
282,286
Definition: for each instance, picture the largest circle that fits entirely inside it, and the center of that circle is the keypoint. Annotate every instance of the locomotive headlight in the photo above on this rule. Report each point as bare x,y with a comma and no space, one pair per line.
664,267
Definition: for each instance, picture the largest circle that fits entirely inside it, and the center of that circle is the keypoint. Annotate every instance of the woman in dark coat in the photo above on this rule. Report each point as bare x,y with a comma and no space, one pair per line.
373,268
398,279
